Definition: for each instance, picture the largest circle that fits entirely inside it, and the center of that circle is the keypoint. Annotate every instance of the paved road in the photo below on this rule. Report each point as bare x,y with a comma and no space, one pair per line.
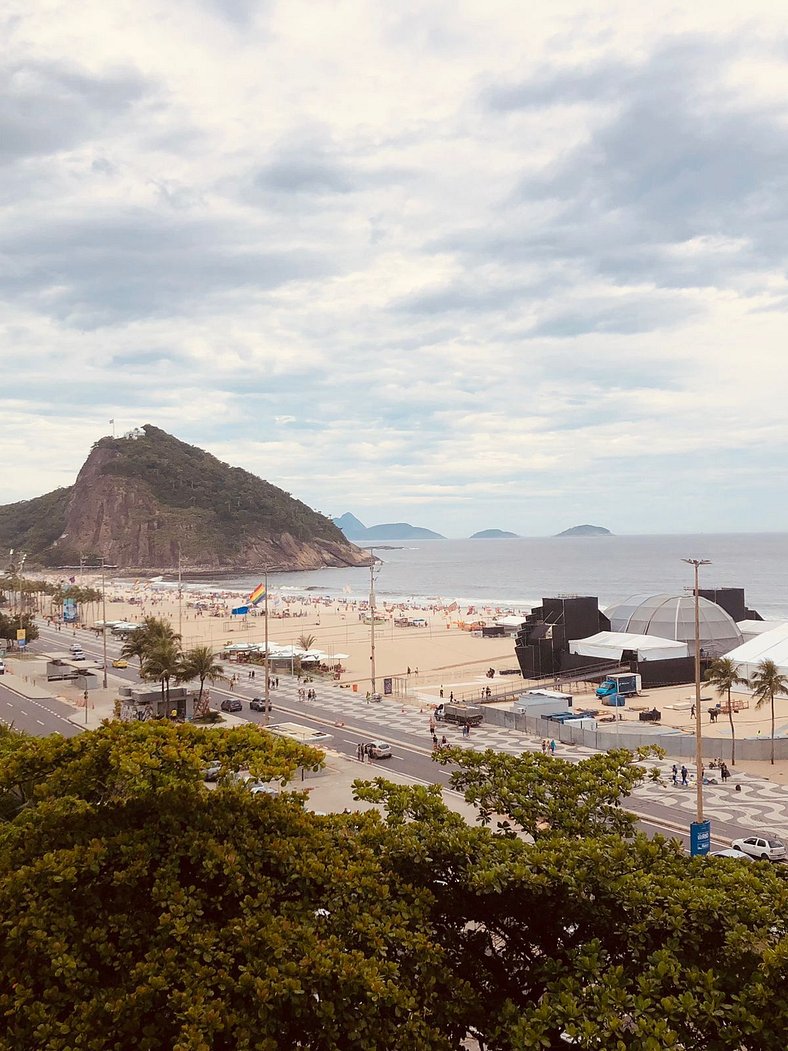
349,719
38,717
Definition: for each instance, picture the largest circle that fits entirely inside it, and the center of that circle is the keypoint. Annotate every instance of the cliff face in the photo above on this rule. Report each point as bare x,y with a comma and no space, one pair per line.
136,501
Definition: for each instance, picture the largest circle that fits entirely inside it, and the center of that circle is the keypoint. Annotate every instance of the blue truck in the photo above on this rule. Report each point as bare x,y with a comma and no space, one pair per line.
616,687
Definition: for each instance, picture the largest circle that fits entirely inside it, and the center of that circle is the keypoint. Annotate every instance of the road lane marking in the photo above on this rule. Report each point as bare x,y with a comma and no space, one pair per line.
39,722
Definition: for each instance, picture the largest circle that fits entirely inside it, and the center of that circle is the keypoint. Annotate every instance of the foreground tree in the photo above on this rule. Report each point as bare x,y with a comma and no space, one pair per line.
766,681
139,909
544,796
182,918
723,675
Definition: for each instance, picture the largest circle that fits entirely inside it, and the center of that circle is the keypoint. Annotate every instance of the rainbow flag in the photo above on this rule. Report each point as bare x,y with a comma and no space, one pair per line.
257,595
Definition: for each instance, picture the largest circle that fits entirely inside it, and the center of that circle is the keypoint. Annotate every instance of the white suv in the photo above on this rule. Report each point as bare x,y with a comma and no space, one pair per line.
767,847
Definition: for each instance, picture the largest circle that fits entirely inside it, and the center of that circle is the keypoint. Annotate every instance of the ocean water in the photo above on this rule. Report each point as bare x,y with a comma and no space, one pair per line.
519,572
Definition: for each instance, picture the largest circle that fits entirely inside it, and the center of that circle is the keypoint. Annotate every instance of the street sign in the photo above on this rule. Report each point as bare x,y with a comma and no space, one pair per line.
700,837
21,634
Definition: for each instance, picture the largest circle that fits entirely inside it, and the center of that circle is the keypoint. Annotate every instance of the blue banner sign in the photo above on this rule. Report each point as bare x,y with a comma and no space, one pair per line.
69,610
700,837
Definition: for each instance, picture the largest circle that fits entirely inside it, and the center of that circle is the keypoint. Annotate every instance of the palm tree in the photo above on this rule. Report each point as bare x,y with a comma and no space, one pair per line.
766,681
306,642
723,674
161,662
152,631
200,663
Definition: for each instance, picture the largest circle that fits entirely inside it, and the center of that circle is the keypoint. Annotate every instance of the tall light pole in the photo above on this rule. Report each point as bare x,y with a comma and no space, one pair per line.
697,845
265,659
180,597
103,620
372,677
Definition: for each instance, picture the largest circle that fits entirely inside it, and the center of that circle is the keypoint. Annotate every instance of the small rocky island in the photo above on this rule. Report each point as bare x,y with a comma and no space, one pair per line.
493,534
586,530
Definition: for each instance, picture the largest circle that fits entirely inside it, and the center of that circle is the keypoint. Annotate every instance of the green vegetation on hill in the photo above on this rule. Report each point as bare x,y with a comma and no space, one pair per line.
184,476
34,525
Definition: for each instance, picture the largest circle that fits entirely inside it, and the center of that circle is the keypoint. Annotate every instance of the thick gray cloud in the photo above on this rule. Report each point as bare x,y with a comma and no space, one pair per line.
47,107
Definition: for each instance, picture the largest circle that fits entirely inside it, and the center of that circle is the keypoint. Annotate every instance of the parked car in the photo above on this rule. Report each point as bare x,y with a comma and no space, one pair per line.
730,852
231,704
211,772
767,847
264,790
2,667
379,750
120,662
257,704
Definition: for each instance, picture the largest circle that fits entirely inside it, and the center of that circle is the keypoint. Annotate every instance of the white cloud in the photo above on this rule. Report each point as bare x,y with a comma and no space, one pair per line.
445,262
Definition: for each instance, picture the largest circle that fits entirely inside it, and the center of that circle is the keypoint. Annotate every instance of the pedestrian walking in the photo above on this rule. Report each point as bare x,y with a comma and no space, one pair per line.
692,712
434,740
544,746
552,747
451,697
277,682
724,772
683,775
675,774
432,724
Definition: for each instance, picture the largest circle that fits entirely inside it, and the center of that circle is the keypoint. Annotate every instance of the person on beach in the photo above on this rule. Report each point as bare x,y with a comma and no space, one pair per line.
552,747
441,693
544,746
451,697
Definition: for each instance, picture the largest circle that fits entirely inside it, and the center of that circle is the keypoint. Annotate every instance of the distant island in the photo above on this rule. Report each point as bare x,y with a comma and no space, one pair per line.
586,530
493,534
356,531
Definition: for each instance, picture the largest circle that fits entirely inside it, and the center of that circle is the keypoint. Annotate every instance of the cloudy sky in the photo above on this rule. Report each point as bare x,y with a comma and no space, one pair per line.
466,264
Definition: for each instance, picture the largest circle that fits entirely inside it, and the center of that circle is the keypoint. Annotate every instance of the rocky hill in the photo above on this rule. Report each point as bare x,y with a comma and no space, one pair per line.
354,529
140,497
493,534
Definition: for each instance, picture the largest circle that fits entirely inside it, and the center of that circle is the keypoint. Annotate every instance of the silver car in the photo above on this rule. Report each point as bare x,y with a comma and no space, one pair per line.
379,750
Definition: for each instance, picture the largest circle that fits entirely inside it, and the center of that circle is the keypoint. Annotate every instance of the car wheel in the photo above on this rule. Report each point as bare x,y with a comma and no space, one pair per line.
764,857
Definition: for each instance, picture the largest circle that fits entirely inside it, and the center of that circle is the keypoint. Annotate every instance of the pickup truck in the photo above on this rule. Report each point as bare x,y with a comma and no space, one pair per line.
462,714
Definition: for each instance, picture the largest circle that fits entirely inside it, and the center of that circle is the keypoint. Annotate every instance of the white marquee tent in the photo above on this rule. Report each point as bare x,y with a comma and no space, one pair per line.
609,645
771,645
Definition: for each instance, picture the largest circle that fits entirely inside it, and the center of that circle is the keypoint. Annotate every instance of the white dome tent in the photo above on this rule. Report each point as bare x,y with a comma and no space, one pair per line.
673,617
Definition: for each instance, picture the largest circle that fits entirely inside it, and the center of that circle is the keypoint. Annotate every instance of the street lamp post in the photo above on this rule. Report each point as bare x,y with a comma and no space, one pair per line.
265,659
700,829
104,619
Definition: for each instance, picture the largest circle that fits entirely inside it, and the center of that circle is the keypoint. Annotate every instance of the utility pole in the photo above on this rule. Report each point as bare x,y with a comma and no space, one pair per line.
372,677
698,844
103,620
180,597
265,659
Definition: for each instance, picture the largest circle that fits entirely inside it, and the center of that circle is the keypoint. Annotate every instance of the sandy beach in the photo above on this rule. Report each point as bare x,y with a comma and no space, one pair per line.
443,654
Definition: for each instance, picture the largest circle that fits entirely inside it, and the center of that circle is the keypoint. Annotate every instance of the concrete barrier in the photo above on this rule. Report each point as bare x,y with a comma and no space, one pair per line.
676,743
